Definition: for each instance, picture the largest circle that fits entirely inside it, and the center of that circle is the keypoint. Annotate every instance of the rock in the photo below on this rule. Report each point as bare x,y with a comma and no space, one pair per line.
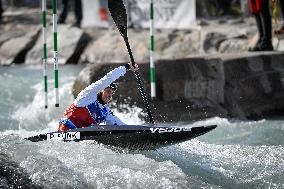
19,32
12,175
233,46
196,78
111,48
15,49
71,43
254,85
182,44
212,41
6,35
162,41
194,86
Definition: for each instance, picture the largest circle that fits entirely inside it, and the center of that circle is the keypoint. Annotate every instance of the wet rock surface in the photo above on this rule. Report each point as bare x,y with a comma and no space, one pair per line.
71,43
14,50
13,176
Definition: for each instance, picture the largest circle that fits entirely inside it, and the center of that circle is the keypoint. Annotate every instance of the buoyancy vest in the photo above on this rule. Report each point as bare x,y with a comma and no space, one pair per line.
92,114
79,116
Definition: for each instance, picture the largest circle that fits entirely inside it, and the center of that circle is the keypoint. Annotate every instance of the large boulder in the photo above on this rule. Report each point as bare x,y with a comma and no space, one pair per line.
15,45
12,175
180,44
234,46
254,84
6,35
71,43
19,31
111,48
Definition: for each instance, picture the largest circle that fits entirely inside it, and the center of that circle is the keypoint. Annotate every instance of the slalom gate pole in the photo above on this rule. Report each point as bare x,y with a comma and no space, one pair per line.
152,51
44,52
55,51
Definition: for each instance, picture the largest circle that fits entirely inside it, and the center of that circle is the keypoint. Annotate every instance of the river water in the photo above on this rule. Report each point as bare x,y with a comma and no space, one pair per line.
237,154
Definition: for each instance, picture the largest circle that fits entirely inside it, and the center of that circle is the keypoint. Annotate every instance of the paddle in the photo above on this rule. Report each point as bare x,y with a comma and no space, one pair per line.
118,13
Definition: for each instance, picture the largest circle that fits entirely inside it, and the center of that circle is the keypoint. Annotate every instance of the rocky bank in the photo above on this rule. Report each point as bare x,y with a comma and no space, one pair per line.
200,73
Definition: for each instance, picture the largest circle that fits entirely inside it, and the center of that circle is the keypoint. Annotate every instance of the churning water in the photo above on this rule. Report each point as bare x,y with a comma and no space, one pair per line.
237,154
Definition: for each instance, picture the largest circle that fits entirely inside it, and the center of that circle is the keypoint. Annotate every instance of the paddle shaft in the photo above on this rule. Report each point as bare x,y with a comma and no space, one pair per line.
44,56
138,78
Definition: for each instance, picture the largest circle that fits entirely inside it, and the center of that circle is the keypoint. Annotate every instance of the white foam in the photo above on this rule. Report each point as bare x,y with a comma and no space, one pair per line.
131,116
95,166
34,116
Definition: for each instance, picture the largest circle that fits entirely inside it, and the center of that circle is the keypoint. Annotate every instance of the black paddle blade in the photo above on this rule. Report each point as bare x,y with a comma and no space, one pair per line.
118,13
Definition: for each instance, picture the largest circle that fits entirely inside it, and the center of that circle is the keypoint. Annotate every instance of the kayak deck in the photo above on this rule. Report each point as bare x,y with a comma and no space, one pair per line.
132,137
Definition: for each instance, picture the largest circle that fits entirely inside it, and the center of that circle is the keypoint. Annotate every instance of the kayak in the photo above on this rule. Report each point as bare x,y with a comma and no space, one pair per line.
132,137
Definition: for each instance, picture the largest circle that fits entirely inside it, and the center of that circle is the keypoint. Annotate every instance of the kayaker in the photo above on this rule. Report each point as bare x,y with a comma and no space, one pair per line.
90,107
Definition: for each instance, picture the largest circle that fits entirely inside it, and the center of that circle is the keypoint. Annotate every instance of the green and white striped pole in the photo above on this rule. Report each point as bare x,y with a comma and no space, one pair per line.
152,50
44,57
55,52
